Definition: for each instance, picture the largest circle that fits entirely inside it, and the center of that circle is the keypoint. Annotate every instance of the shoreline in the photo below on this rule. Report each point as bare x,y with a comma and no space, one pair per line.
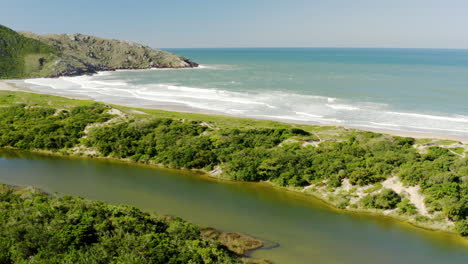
11,85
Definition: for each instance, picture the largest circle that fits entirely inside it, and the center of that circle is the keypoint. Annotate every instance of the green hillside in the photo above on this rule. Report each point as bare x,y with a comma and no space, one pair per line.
23,57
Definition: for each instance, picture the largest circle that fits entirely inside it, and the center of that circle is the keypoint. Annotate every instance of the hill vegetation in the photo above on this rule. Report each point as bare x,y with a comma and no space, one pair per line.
27,55
23,57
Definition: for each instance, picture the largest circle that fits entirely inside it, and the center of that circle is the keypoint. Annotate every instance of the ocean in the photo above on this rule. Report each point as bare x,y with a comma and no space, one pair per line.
412,90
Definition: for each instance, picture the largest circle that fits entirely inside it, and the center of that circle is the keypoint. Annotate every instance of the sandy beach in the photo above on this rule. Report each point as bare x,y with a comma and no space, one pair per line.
12,85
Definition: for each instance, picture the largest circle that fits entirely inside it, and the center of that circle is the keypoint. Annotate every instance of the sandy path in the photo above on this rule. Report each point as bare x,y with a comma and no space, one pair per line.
413,193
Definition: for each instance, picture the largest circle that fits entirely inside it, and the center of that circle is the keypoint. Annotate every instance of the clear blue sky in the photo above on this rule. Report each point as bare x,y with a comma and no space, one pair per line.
251,23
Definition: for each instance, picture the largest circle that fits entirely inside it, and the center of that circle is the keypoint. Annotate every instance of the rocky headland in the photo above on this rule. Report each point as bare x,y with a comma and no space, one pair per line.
28,55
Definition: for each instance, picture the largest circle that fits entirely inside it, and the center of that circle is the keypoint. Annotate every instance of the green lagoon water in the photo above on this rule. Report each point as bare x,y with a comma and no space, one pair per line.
419,90
305,230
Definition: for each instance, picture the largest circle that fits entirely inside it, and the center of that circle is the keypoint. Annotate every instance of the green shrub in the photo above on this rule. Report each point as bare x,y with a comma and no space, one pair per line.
362,176
457,211
43,229
406,207
42,128
298,131
462,227
386,199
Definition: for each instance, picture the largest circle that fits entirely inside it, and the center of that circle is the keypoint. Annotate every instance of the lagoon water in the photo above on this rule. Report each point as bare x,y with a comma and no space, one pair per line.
305,230
418,90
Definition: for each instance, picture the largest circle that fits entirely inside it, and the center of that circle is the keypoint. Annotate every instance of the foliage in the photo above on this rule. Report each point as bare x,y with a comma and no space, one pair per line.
35,228
386,199
406,207
462,227
248,150
457,211
28,128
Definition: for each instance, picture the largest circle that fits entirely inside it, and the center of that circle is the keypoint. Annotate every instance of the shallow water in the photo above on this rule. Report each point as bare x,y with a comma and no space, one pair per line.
396,89
307,231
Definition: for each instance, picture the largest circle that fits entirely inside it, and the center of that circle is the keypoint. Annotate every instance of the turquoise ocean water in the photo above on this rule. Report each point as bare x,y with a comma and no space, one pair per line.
418,90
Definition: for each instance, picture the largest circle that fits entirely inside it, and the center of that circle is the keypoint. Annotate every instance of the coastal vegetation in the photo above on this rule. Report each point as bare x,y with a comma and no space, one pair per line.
27,55
352,169
39,228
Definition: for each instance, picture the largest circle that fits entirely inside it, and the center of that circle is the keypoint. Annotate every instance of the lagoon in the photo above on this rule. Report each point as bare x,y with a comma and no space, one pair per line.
299,228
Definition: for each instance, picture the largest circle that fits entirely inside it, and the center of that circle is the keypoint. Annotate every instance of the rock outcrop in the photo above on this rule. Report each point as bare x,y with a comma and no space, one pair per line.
28,55
84,54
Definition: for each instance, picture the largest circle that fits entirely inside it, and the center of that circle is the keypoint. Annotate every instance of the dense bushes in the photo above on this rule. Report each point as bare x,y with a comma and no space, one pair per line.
462,227
406,207
442,176
36,228
45,128
386,199
252,154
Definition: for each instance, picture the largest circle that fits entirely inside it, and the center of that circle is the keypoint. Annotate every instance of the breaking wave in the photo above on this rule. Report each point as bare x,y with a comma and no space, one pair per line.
276,105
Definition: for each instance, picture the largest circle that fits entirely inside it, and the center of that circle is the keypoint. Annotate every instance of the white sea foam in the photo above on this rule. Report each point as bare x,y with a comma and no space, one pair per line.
384,124
195,93
342,107
282,117
216,67
54,83
103,73
238,111
413,128
376,126
298,118
310,115
446,118
439,129
202,66
277,105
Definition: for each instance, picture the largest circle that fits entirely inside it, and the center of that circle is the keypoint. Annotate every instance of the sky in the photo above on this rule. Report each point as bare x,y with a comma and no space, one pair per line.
251,23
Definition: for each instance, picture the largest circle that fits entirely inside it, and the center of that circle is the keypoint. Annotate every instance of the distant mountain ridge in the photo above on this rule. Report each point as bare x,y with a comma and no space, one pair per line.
27,55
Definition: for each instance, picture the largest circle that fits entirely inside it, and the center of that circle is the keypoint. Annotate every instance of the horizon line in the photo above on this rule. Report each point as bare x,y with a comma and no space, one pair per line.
313,47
